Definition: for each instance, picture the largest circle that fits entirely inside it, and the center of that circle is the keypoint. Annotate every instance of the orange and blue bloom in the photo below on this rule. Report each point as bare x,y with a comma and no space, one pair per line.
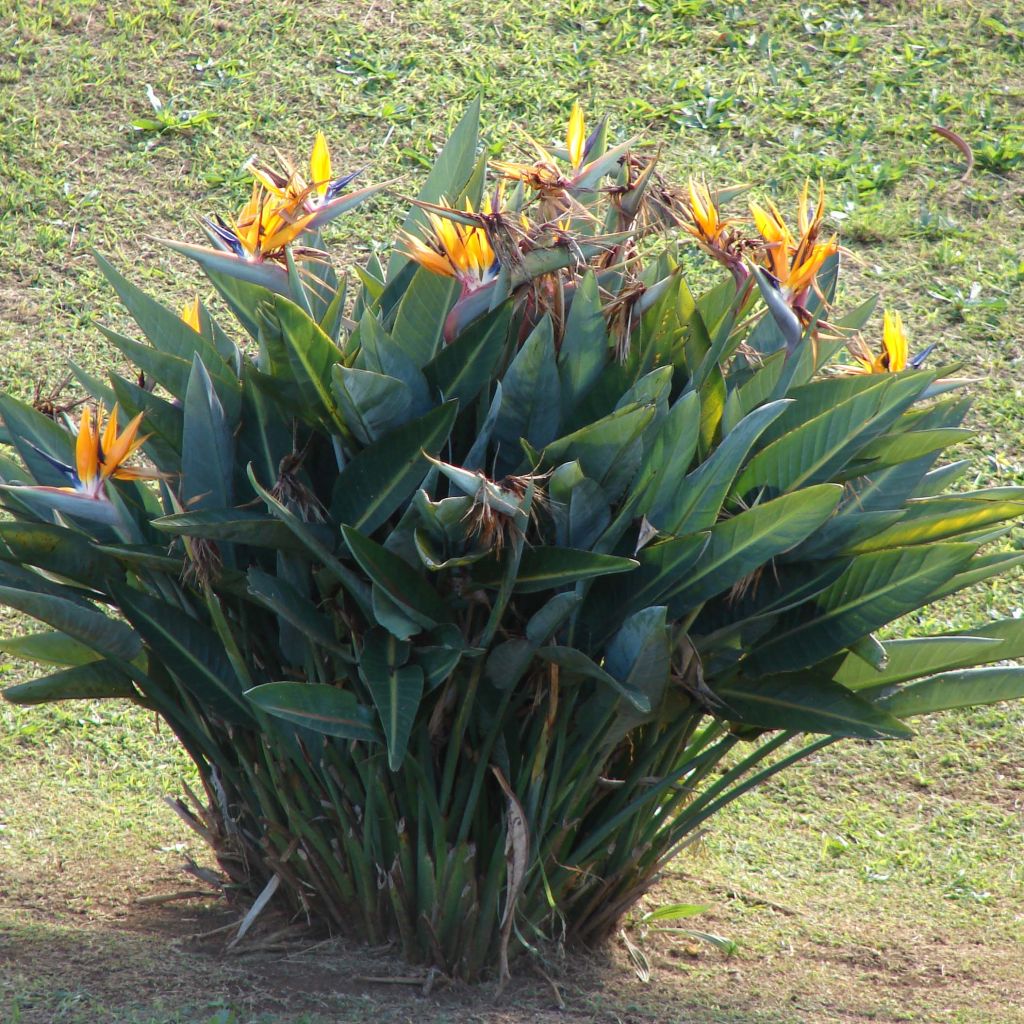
100,455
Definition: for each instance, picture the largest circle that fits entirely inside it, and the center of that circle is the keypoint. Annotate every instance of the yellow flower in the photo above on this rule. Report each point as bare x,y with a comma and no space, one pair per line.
706,223
190,314
268,222
576,136
320,165
544,175
456,250
794,262
291,187
895,353
100,454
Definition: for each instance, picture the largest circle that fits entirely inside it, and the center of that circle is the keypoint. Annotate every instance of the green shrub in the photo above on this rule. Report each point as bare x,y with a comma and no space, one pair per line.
474,593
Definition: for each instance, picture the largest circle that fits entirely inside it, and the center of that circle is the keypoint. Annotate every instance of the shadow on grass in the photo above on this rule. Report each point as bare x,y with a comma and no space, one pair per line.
163,966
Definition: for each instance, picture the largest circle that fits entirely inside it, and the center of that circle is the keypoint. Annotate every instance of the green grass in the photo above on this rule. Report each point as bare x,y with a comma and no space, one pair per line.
898,864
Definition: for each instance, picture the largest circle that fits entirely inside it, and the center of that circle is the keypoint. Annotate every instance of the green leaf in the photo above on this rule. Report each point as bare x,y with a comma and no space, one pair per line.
396,689
420,321
315,706
601,447
413,594
168,371
93,681
189,649
892,449
922,656
530,406
373,485
371,403
663,568
667,459
312,356
738,546
295,608
208,446
56,549
578,663
549,619
584,350
943,518
699,496
236,526
968,689
820,445
875,589
460,370
164,328
27,427
806,702
546,568
48,648
104,635
675,911
639,654
379,353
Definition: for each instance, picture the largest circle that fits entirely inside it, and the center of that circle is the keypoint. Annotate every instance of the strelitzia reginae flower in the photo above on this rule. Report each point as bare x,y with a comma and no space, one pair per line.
282,206
456,249
100,455
545,175
713,232
794,262
292,187
894,356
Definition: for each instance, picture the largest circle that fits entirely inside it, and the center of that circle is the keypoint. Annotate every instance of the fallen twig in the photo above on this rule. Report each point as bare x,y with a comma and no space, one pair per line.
961,143
170,897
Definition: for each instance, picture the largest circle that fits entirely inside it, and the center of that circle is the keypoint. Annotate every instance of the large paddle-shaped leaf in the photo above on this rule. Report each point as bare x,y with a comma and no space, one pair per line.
922,656
316,706
875,589
109,637
966,689
806,702
372,486
92,681
396,688
738,546
413,594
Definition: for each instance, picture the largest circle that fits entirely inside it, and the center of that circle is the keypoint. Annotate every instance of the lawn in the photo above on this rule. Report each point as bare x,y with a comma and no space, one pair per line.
877,882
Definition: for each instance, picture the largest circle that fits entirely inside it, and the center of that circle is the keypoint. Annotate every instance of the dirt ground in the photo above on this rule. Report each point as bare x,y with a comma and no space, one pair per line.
81,944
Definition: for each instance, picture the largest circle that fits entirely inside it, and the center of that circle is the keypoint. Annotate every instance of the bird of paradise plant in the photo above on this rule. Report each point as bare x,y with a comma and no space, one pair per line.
445,586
